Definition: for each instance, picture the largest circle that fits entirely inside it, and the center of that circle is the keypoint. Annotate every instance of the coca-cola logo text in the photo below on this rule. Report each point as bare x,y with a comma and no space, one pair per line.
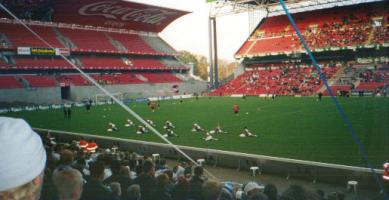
111,10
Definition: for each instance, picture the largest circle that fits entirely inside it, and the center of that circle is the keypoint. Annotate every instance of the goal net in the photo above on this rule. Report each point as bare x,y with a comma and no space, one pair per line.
106,98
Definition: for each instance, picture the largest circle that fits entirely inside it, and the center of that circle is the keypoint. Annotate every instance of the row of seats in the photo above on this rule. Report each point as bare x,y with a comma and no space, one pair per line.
335,27
90,62
83,40
280,81
11,81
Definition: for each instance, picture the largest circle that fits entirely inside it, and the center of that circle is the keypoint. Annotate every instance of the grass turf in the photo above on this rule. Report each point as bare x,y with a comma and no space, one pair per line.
300,128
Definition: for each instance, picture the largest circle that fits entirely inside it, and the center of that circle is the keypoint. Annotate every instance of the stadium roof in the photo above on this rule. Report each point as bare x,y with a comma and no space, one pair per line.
273,7
99,13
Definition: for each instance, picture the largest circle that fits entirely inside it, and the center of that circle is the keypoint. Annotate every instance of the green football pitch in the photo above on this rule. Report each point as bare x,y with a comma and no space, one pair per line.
299,128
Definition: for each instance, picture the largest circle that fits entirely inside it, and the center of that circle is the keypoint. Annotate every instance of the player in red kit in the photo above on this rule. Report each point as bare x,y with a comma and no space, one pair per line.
235,108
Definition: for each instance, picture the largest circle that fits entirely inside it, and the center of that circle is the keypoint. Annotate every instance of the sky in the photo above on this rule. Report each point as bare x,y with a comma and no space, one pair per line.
190,32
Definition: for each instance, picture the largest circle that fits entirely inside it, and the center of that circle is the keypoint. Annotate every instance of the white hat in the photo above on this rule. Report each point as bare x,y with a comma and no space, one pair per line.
22,154
251,186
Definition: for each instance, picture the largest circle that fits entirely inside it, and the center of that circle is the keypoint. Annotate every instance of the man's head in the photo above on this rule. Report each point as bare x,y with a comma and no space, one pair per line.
148,167
198,171
97,170
67,157
23,159
68,182
253,188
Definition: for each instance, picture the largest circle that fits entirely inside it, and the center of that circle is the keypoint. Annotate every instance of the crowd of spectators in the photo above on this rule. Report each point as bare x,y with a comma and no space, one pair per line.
75,171
280,80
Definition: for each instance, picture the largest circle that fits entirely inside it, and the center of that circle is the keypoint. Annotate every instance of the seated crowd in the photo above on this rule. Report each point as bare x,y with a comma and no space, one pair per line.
77,170
279,80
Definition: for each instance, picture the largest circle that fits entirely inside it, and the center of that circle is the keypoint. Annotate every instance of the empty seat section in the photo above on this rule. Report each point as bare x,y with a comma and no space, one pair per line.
9,82
370,85
129,78
158,44
245,47
75,79
41,63
160,77
94,62
40,81
134,43
88,40
146,63
269,45
20,36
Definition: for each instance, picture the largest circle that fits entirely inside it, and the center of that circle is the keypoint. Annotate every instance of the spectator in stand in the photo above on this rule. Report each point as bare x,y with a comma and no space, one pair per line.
181,189
69,183
22,158
146,180
133,193
120,174
66,159
251,189
161,191
94,188
271,192
298,192
211,190
196,184
116,190
259,196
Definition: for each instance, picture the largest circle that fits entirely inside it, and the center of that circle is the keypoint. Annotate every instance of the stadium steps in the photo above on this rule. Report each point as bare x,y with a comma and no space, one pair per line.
24,82
142,78
158,44
171,62
4,37
250,47
119,46
66,42
371,35
333,80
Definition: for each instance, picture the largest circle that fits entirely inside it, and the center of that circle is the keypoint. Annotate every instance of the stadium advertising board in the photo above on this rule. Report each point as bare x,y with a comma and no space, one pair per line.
42,51
24,51
115,14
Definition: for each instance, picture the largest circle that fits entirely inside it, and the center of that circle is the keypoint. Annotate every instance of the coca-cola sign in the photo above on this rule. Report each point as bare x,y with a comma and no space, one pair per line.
111,10
115,13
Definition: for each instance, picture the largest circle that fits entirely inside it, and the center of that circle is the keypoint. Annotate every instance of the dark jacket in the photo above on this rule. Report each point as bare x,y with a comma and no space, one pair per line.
95,190
147,185
196,191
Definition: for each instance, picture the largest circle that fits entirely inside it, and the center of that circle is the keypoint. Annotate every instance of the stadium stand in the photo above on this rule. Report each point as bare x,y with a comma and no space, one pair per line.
99,62
40,81
339,32
281,81
85,40
133,43
97,50
335,27
160,77
17,35
40,62
8,82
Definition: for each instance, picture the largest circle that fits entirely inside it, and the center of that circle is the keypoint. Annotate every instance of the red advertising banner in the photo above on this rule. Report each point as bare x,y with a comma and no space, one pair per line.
115,14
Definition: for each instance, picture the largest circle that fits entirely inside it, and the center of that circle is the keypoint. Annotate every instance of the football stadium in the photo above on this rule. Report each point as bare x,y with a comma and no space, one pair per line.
96,104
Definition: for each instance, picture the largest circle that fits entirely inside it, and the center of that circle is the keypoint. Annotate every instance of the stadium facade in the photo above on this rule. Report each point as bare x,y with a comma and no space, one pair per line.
350,44
116,43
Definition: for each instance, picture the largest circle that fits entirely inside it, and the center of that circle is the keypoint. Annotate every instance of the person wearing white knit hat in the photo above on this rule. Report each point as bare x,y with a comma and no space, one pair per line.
23,159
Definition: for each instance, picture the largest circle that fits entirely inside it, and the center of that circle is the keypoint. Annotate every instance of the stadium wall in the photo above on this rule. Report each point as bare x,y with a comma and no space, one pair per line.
50,95
288,168
78,93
